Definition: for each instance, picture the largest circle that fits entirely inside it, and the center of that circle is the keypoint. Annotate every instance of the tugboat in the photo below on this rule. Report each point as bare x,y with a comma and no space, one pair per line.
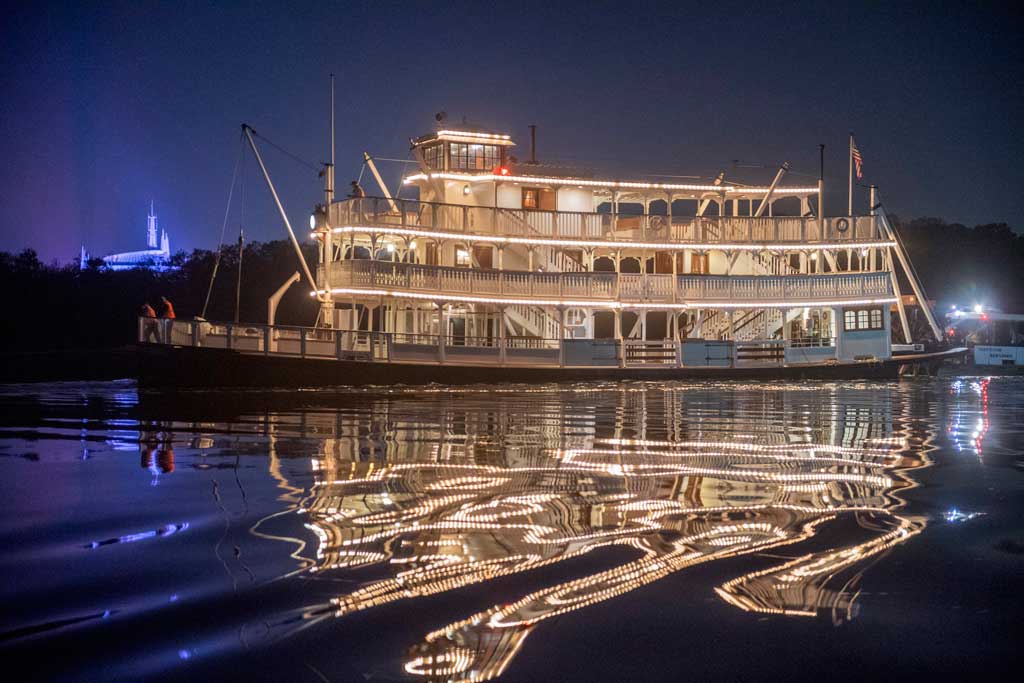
500,270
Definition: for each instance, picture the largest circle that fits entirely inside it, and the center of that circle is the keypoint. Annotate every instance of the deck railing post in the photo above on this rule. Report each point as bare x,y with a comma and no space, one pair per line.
338,336
501,336
441,329
230,333
268,333
195,333
302,342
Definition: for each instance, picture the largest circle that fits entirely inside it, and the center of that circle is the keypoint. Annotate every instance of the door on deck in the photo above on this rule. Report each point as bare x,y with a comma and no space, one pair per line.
457,331
430,258
538,198
484,257
663,262
699,264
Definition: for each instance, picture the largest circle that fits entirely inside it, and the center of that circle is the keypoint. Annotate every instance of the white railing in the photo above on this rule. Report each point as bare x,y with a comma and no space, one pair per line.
626,287
420,348
486,220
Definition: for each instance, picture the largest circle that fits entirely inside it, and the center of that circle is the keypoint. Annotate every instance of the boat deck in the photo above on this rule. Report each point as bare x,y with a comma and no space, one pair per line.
198,353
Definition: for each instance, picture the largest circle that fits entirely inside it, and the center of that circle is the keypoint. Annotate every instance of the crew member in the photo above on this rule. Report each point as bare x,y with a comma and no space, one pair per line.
167,313
149,325
357,191
167,310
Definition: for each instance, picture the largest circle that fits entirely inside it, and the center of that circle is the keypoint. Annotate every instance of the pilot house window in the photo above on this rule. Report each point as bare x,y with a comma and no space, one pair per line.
433,156
855,319
467,157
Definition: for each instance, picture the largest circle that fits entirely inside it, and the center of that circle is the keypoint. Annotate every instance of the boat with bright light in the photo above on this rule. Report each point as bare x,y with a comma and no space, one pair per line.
496,269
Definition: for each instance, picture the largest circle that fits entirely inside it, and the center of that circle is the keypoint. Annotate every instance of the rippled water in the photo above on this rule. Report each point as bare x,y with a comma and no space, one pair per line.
596,532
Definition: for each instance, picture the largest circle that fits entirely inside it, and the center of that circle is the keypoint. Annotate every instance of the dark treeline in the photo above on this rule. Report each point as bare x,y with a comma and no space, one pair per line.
53,307
964,266
61,307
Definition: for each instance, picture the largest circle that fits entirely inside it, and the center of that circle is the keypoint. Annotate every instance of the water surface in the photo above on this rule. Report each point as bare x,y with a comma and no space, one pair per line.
632,531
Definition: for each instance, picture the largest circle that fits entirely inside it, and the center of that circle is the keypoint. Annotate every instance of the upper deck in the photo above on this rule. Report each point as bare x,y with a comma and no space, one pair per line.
596,228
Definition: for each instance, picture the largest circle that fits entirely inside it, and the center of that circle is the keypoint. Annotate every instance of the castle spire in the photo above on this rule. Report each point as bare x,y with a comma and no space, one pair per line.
151,232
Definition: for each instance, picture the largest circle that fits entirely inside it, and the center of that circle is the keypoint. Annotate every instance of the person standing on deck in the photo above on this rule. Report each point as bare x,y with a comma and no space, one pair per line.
167,313
149,325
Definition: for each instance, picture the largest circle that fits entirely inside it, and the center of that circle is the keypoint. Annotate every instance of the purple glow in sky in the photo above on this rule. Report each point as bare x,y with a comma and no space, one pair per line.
107,106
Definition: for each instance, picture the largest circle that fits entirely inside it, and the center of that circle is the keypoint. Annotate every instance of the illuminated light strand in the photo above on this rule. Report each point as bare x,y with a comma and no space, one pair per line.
596,303
612,244
827,563
494,136
625,184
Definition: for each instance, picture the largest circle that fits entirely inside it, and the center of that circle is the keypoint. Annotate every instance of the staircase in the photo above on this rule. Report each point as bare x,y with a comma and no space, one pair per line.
530,321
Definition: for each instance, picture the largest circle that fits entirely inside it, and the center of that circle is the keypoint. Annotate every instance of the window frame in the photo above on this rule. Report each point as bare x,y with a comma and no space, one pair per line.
863,319
473,156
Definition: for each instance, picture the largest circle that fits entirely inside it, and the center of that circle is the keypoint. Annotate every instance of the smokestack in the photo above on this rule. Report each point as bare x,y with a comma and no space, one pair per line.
533,143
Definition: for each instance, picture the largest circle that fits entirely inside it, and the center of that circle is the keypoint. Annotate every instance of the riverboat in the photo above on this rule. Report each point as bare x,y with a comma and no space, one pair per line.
506,270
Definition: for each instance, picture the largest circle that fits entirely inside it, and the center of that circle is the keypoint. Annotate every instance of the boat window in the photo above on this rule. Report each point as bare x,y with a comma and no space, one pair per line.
469,157
538,198
530,197
433,156
855,319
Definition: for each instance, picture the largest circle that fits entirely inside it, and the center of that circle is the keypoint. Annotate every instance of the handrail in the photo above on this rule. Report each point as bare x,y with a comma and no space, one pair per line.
627,287
362,345
619,226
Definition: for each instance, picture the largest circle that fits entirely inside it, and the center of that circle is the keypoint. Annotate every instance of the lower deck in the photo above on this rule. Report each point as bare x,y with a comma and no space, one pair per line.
186,352
460,349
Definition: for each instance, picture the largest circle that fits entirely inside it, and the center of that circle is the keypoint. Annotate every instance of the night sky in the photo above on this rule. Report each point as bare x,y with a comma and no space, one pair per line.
108,105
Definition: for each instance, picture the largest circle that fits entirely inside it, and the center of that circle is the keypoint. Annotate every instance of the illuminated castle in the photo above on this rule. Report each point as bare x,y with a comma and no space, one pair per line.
155,257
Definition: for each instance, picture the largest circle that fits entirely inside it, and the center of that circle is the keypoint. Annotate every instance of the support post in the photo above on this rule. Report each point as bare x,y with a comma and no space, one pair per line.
442,331
501,336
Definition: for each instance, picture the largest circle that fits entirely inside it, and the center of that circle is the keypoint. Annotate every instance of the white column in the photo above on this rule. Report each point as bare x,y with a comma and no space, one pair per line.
501,335
442,331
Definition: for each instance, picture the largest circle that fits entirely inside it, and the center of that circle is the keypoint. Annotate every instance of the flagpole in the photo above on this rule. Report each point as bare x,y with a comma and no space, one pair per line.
849,194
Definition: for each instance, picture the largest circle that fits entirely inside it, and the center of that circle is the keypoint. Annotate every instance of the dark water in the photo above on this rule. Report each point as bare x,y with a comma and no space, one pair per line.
593,532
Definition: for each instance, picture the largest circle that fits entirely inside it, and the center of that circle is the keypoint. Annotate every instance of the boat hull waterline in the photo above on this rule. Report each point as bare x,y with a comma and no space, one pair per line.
179,366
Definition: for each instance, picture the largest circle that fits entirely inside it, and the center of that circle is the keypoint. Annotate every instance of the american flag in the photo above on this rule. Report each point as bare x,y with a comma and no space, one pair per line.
858,162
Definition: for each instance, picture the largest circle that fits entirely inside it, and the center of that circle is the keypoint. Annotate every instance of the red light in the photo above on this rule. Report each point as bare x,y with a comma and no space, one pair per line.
984,316
951,332
502,170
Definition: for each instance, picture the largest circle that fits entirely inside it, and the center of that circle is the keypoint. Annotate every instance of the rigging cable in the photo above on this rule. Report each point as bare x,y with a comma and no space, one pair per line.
224,225
282,150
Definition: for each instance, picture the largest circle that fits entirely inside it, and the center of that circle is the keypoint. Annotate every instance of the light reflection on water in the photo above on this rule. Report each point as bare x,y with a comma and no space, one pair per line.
679,477
398,495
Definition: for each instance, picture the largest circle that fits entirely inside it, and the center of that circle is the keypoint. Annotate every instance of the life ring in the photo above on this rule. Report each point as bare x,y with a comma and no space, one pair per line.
842,225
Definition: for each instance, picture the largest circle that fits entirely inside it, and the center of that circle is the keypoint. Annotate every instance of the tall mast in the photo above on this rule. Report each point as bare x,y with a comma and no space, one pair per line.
332,120
821,190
